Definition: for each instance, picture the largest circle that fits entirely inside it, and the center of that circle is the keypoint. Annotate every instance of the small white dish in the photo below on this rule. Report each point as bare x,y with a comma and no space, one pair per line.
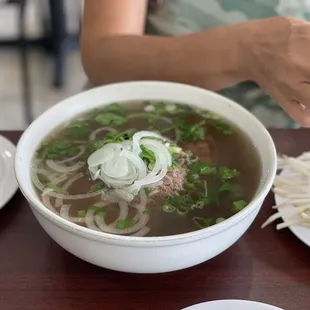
301,232
8,184
232,305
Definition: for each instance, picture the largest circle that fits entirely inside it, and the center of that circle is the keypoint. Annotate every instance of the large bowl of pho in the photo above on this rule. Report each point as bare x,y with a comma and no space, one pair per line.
145,177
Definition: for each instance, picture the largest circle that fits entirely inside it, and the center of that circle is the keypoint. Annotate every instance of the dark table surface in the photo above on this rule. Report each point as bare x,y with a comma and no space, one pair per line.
264,265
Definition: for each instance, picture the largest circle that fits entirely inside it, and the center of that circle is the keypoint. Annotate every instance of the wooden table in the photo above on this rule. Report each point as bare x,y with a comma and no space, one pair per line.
264,265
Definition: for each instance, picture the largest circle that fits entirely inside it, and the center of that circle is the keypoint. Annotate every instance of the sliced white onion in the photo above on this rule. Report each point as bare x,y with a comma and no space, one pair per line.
104,154
142,134
93,135
71,197
90,221
142,232
64,213
65,187
157,147
62,168
47,202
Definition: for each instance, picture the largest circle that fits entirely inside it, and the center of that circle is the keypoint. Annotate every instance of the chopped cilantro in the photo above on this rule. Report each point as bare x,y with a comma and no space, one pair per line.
57,149
148,156
122,224
98,210
115,108
238,206
108,118
78,129
81,213
222,127
147,211
191,132
98,187
227,173
201,168
234,190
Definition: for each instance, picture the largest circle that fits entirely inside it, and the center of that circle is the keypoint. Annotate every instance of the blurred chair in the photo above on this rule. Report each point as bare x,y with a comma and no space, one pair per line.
56,42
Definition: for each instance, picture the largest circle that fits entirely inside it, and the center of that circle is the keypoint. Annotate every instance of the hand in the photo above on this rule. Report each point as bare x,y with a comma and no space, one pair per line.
277,53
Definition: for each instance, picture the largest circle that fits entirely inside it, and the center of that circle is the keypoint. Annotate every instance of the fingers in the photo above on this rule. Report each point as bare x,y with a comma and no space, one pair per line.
299,111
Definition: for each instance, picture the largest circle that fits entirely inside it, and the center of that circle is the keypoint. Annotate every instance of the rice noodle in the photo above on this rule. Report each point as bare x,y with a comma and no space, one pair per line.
294,186
93,135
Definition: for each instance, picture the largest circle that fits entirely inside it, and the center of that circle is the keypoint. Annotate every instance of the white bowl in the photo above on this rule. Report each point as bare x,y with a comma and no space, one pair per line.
146,254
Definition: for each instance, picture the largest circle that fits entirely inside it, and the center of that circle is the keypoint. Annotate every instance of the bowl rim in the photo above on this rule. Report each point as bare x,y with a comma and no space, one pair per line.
151,241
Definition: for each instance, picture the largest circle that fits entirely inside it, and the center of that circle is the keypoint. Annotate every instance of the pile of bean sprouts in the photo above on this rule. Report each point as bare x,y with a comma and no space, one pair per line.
293,184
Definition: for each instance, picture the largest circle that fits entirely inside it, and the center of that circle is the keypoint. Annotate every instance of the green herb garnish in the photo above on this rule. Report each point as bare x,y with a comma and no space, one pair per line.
201,168
122,224
98,187
227,173
191,132
57,150
78,129
81,213
148,156
234,190
57,189
222,127
115,108
109,118
97,210
238,206
147,211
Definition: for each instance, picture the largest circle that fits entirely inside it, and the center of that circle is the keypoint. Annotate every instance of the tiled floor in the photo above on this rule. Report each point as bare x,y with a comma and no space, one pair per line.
44,95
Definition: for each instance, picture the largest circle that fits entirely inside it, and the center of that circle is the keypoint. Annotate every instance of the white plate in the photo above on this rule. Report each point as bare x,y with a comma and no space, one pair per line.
302,233
8,184
232,305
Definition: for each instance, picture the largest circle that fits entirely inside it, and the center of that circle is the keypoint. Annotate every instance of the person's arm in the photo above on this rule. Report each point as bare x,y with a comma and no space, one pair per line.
114,49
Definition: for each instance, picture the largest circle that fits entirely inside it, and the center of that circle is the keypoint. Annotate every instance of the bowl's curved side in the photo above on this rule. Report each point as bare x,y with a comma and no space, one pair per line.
155,258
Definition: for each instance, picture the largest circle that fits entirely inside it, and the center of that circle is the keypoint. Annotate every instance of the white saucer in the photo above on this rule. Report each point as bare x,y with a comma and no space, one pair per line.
232,305
8,184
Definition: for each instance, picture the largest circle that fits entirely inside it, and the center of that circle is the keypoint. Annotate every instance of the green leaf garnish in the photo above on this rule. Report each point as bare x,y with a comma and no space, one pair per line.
81,213
222,127
78,129
115,108
238,206
122,224
109,118
191,132
234,190
201,168
98,187
98,210
148,156
57,189
227,173
147,211
57,149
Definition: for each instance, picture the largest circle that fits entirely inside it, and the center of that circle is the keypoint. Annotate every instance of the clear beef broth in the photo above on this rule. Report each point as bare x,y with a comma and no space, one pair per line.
220,150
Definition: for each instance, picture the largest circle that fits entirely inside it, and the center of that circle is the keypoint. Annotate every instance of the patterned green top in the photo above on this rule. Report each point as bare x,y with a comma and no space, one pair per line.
175,17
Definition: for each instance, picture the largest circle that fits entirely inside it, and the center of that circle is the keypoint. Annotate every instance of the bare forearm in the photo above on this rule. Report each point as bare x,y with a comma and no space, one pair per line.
212,59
